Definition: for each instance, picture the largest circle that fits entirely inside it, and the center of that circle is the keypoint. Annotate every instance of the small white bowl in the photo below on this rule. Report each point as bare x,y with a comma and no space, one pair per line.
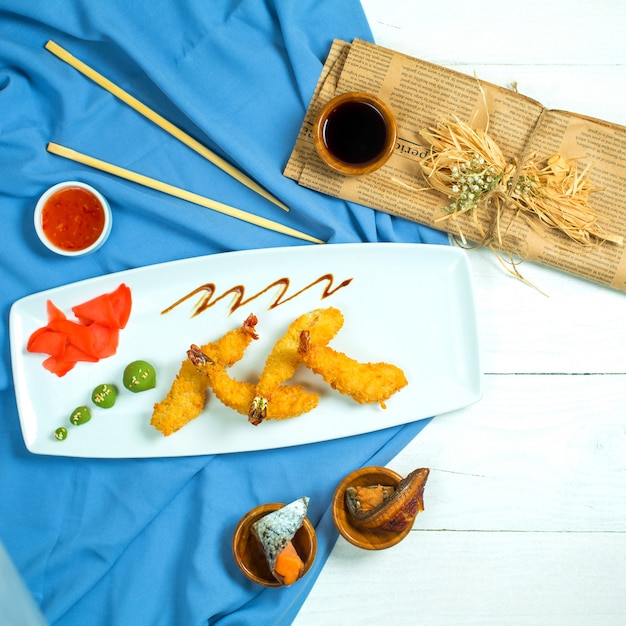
108,219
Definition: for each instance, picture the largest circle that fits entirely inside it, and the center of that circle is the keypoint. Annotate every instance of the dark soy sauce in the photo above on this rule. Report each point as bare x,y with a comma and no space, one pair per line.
355,132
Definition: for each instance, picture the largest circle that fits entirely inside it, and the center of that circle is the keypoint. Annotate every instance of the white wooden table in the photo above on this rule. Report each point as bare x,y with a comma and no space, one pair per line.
525,519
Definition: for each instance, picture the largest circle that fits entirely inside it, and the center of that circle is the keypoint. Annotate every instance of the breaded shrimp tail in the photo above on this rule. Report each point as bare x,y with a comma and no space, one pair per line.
187,395
364,382
284,359
287,401
184,401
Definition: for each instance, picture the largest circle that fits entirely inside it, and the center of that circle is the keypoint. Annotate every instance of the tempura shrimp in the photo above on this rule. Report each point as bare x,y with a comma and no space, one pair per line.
364,382
284,359
231,347
187,395
286,402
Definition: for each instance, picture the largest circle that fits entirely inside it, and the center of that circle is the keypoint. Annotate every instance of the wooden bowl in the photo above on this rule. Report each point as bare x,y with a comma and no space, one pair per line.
249,555
355,133
368,539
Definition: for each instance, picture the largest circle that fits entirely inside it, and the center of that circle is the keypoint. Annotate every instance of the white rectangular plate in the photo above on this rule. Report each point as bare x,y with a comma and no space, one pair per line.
407,304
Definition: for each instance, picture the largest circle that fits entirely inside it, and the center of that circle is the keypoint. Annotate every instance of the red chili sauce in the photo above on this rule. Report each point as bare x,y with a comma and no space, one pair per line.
72,219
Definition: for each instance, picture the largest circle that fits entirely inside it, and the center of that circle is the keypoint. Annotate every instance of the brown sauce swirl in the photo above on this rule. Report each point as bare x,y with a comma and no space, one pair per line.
208,291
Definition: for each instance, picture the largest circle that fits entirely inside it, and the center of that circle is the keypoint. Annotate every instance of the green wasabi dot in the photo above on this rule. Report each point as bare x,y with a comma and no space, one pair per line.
60,433
139,376
104,396
80,415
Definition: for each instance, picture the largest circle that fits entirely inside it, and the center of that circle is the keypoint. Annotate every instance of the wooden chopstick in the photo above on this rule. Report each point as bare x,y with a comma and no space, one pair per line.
160,121
171,190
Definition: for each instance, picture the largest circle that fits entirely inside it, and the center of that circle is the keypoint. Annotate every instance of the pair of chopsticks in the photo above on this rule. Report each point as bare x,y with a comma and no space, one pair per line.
179,134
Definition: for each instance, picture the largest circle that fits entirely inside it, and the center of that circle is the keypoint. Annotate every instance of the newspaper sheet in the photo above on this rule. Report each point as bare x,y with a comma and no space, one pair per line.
422,94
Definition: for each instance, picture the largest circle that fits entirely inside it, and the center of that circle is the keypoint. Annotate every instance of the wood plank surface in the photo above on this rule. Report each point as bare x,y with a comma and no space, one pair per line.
475,578
525,519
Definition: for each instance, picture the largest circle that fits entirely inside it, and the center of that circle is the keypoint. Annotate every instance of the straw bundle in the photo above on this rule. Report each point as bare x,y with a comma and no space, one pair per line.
468,167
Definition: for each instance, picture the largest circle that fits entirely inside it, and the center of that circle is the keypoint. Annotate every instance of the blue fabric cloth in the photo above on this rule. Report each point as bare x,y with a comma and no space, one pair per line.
147,541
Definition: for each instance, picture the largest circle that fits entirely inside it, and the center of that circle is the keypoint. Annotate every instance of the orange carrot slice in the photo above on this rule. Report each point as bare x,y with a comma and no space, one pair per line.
289,566
109,309
99,310
94,336
95,339
54,313
72,353
122,302
47,341
58,366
